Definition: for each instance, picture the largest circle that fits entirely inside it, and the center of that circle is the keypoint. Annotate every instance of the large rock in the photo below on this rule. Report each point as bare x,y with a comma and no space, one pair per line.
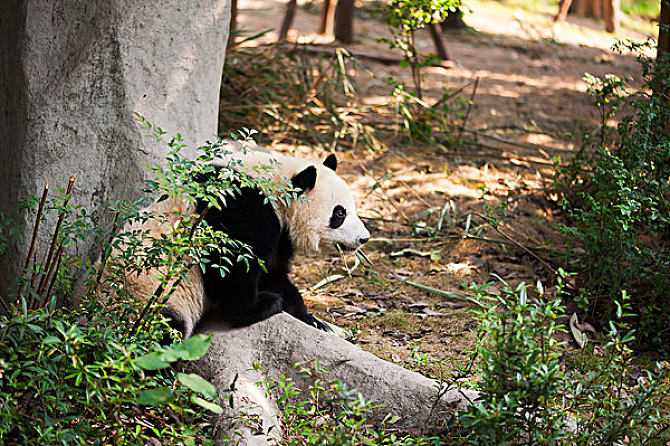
72,74
249,355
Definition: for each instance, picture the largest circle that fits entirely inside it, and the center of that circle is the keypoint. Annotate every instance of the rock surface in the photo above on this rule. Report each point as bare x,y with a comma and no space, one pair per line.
72,74
281,341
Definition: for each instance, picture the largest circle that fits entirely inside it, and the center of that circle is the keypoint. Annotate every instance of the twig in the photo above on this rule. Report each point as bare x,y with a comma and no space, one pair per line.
467,113
381,190
43,286
38,218
462,237
447,294
526,145
103,262
61,218
509,156
413,192
524,247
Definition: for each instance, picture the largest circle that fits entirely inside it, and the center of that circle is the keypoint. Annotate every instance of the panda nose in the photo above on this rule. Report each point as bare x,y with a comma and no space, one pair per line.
363,240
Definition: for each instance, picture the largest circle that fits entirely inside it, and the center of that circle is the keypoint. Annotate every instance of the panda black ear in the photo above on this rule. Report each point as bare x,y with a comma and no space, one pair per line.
306,179
331,162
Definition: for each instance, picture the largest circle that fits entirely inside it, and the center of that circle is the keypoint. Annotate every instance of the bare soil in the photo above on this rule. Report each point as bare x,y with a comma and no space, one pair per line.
530,94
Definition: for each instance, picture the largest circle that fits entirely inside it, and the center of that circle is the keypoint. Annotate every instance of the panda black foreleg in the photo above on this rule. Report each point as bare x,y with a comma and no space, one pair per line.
248,311
292,301
238,294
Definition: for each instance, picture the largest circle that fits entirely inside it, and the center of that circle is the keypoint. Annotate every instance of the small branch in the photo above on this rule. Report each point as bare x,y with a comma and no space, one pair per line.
526,145
524,247
467,113
61,218
38,219
448,294
43,286
103,262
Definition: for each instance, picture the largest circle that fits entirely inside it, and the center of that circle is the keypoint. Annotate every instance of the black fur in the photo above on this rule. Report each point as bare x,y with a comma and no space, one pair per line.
331,162
175,321
305,180
248,296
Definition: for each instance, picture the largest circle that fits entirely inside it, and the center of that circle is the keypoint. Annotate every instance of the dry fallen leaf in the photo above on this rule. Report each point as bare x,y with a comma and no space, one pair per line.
579,335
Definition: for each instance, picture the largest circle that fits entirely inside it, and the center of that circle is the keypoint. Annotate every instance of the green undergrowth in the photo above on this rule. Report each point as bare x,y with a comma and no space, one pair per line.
86,361
616,194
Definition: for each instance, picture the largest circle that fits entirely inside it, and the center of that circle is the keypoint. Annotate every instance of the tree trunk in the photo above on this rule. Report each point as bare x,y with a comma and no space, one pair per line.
436,35
344,21
73,72
612,12
288,20
233,24
326,20
563,8
664,32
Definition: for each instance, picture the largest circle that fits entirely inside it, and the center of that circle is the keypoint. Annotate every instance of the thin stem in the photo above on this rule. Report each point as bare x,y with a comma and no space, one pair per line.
38,218
61,218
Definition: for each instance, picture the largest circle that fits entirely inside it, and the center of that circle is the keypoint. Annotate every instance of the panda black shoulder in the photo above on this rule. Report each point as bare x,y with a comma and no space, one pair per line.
248,218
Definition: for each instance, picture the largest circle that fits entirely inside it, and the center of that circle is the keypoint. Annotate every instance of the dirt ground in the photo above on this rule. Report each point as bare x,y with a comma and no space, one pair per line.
530,98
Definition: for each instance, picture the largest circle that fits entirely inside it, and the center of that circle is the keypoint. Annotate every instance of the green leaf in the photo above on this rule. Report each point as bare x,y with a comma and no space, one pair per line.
212,407
155,397
197,383
51,340
152,361
194,347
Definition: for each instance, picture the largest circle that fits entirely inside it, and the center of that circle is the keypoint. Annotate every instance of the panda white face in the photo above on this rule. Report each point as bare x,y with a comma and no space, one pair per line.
329,214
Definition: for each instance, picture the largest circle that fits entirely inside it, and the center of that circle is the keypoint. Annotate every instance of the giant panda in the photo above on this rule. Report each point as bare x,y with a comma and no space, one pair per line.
247,294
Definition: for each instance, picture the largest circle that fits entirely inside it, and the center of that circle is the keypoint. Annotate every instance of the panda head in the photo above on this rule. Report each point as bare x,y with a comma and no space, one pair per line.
328,215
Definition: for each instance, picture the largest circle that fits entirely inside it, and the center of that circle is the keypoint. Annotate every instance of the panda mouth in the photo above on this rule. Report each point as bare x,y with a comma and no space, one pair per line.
345,248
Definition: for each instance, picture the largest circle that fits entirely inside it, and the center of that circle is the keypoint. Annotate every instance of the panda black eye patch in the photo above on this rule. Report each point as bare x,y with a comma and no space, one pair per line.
339,214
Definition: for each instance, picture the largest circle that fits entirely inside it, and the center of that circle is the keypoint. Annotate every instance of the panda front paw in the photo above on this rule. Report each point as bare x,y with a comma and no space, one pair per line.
314,322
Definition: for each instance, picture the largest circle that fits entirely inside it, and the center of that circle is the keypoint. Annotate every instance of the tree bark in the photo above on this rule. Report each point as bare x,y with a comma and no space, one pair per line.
327,14
344,21
612,10
72,74
288,20
563,8
664,32
438,41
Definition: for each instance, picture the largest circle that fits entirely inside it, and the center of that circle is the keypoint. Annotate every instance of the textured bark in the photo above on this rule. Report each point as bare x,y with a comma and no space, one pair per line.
72,72
344,21
281,341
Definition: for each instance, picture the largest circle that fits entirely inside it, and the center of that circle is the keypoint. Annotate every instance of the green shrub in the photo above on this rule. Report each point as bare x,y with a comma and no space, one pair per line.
617,196
529,395
94,373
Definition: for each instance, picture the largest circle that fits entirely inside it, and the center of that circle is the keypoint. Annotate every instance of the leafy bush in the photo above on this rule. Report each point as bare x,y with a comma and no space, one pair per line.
528,395
96,372
617,196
